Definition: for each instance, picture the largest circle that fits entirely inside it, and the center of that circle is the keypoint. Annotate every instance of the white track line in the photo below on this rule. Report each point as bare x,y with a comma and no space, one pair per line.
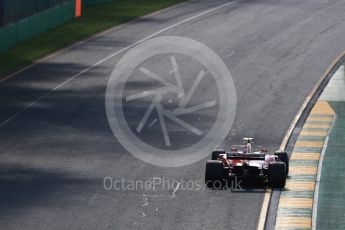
264,209
113,55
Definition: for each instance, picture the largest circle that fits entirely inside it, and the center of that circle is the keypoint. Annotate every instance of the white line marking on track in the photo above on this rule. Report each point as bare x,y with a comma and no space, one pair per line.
264,209
113,55
230,54
93,198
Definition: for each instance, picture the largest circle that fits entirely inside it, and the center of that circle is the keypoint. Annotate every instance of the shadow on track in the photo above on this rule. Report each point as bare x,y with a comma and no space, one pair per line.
24,187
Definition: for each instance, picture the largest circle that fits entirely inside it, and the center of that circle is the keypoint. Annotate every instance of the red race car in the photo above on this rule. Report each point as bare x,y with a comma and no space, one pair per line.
245,163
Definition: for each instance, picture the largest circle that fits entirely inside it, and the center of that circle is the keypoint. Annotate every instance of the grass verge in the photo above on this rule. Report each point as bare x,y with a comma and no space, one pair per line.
94,20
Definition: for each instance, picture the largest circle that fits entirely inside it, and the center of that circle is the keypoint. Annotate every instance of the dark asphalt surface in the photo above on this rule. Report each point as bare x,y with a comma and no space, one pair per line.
56,153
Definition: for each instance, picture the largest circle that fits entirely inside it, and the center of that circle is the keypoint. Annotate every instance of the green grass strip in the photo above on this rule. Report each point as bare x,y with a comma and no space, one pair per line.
311,138
304,163
296,212
302,177
307,149
298,194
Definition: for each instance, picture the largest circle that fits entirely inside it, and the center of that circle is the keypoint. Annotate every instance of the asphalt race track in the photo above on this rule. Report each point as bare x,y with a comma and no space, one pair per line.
56,144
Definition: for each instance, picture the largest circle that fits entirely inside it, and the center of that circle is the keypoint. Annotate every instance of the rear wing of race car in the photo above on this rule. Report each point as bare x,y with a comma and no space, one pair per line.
245,156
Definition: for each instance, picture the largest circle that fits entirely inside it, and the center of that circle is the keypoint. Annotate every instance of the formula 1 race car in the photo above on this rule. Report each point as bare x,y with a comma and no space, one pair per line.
244,163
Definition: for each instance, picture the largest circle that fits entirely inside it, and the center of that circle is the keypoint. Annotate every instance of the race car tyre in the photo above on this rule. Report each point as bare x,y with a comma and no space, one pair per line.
277,174
283,157
216,152
214,174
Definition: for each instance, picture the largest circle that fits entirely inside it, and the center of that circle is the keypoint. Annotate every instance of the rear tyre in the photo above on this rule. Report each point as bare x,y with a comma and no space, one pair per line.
214,174
216,152
277,174
283,157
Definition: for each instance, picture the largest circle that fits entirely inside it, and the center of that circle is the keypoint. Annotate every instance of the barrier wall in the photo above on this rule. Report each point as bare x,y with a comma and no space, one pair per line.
33,25
95,2
12,11
26,28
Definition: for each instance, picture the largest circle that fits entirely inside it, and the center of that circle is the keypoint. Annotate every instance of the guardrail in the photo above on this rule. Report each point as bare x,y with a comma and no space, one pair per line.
19,29
21,20
95,2
12,11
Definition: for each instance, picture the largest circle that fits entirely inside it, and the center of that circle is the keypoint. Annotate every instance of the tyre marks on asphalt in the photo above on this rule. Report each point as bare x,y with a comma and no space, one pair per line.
296,200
